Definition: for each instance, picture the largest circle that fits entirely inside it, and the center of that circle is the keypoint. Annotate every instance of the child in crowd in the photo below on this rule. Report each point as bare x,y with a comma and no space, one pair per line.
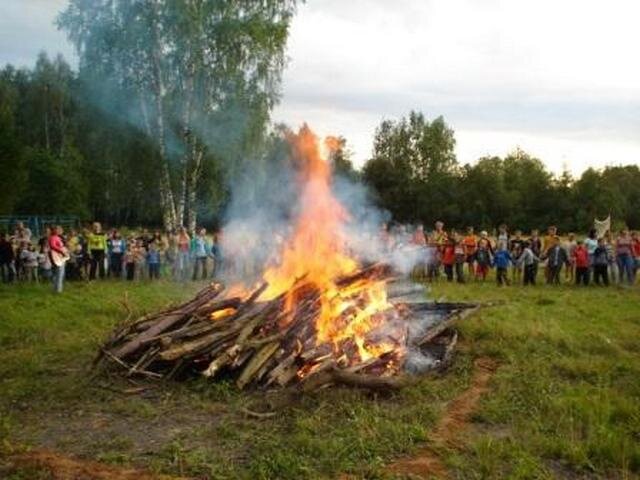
153,261
29,258
601,264
130,260
116,246
470,243
76,270
433,260
503,235
140,258
580,259
591,242
529,260
535,244
624,257
44,263
461,258
515,250
501,261
449,258
201,251
483,257
556,257
569,247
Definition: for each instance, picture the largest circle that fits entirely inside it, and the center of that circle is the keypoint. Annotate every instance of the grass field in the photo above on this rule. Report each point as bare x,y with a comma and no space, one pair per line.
564,402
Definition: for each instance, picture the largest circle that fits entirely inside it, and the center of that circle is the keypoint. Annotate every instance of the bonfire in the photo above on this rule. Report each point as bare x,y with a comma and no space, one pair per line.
318,316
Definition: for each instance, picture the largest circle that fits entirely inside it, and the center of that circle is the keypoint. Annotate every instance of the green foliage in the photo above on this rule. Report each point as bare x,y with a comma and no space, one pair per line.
416,177
200,79
413,167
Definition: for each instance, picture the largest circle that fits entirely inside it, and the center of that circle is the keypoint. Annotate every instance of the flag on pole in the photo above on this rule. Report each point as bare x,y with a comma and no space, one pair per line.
602,226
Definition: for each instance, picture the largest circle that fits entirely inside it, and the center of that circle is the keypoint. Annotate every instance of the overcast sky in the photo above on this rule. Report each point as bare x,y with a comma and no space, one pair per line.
560,79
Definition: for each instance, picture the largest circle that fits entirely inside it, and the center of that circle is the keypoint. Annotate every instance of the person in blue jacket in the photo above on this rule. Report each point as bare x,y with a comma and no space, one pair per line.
501,260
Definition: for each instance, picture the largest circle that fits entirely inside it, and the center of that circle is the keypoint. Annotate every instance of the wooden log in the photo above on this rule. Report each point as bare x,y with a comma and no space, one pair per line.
448,352
284,371
437,329
221,361
375,271
193,347
371,382
255,363
167,321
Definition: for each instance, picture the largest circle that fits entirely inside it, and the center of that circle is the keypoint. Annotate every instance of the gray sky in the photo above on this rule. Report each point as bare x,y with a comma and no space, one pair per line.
560,79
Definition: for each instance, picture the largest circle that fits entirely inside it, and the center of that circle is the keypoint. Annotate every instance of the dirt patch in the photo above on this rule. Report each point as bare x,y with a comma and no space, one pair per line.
59,467
426,463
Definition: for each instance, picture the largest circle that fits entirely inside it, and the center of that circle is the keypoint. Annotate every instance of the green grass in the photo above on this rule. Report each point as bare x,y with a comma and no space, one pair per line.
565,402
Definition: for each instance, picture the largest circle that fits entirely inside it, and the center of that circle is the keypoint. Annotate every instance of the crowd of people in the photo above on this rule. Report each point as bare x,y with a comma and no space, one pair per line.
516,258
91,253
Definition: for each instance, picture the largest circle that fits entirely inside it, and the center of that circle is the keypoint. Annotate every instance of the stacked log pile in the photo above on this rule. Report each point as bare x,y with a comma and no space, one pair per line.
258,343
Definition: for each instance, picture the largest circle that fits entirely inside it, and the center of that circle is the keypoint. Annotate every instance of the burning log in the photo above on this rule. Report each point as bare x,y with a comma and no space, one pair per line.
276,341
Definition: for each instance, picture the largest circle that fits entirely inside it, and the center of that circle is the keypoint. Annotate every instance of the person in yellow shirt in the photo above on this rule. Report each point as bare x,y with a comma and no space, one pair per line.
97,245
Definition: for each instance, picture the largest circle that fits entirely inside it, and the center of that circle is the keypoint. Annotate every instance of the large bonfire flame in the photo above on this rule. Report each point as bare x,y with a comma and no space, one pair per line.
319,316
317,252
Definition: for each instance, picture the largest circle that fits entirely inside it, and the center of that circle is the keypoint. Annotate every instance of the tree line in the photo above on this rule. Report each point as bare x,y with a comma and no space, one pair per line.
170,103
169,110
417,178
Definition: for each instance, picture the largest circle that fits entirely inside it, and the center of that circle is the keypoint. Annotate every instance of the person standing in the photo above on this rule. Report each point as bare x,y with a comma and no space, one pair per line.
601,260
461,259
614,270
556,257
581,262
470,243
535,244
97,242
29,257
44,262
117,248
183,243
502,260
503,235
624,257
22,233
591,242
483,257
201,251
569,246
59,256
636,252
530,261
153,261
7,257
141,259
130,259
515,250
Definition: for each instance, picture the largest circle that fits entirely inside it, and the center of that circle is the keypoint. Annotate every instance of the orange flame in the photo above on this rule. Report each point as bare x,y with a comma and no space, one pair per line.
317,250
225,312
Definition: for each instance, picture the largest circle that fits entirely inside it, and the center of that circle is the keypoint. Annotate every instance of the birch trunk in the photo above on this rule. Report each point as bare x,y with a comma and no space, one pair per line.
166,194
188,141
197,153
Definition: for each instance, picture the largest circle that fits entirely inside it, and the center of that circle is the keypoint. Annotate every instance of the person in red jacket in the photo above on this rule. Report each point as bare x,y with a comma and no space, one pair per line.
581,262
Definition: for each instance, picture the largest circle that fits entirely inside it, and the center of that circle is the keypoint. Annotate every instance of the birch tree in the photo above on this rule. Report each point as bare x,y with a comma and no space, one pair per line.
203,76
